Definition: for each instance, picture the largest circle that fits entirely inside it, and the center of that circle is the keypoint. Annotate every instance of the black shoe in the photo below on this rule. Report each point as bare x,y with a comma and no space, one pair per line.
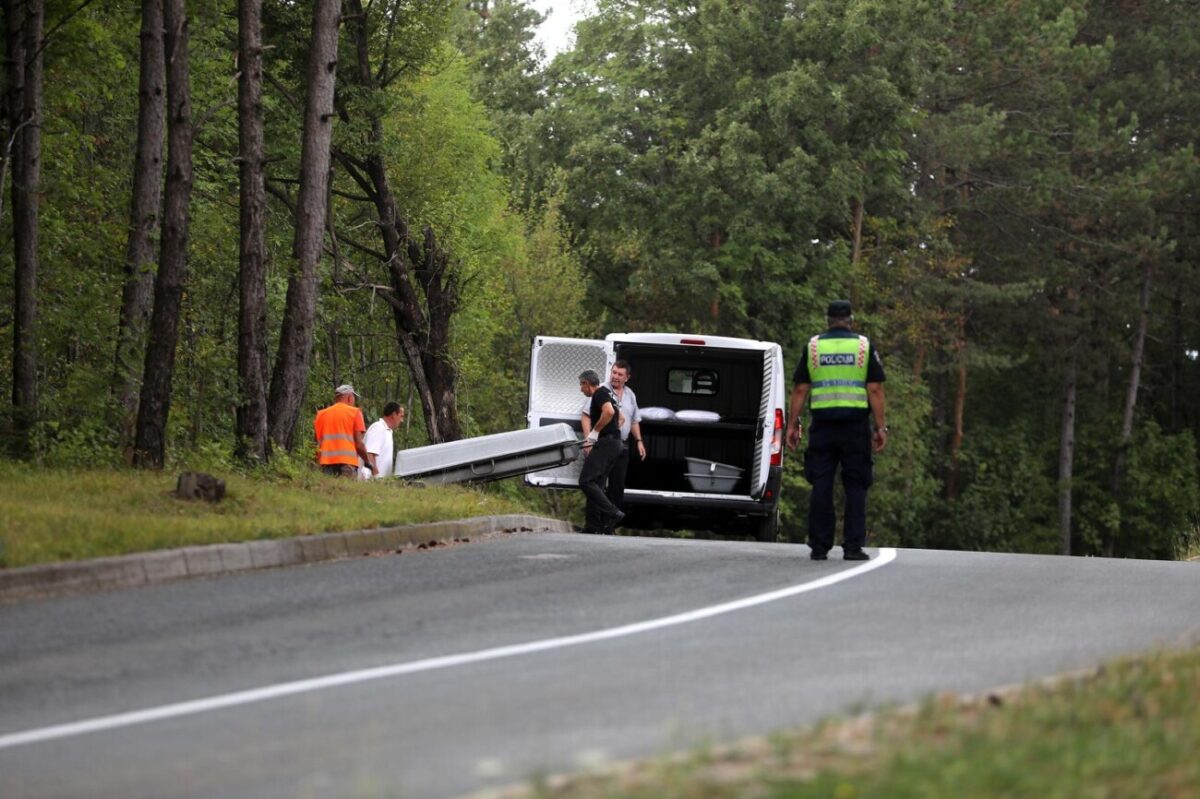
856,554
818,554
613,521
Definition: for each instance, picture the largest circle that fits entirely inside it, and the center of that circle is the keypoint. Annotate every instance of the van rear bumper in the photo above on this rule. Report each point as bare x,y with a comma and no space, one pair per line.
688,504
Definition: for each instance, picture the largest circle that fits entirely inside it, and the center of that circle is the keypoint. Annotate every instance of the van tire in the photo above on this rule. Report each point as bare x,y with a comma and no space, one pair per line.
767,528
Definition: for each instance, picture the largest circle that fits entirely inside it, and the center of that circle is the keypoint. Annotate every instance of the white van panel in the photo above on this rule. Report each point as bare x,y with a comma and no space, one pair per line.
554,396
772,399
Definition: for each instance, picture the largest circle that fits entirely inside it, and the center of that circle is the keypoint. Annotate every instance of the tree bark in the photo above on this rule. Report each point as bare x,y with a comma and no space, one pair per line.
960,404
292,361
1137,357
856,235
253,443
422,331
1178,359
24,22
137,295
1066,448
154,407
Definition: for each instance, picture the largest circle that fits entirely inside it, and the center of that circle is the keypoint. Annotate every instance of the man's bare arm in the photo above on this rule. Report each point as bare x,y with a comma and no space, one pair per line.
878,405
795,407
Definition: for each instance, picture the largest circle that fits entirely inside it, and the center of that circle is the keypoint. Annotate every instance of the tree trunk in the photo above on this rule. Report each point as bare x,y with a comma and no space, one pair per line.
960,404
137,295
442,299
290,378
1066,448
1131,394
856,247
23,66
253,443
423,333
406,307
1178,359
154,407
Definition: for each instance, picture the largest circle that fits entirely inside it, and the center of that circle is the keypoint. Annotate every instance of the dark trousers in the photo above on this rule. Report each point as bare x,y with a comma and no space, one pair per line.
616,478
833,444
596,468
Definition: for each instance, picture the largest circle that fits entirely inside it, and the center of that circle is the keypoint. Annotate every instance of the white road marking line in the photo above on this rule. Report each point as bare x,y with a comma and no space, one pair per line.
211,703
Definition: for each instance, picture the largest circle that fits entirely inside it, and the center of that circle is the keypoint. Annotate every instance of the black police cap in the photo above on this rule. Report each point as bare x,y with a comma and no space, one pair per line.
839,309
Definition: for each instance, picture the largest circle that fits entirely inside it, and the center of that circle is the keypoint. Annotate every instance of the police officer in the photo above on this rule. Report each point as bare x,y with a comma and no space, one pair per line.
842,377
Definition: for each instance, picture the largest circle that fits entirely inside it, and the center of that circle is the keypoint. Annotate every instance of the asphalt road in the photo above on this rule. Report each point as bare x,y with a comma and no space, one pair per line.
440,673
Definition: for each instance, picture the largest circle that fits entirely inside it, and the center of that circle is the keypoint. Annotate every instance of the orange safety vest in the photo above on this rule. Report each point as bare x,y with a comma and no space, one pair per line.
335,427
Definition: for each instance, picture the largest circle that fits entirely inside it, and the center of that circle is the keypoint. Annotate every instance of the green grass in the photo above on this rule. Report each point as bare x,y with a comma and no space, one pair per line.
1130,730
49,515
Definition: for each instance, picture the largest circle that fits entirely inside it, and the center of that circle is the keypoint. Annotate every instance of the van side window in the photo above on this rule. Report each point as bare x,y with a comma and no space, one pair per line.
702,382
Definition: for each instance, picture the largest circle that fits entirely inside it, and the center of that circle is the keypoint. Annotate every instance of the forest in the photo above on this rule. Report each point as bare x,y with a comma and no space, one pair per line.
213,212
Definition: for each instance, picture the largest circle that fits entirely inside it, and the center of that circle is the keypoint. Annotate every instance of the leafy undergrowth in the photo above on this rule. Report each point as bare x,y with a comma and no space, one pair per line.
49,515
1131,729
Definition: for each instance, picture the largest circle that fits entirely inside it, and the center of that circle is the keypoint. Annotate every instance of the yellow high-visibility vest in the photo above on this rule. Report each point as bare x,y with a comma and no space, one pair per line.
837,368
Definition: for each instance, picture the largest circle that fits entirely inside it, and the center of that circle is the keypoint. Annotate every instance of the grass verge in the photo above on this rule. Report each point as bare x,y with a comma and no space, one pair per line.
49,515
1131,729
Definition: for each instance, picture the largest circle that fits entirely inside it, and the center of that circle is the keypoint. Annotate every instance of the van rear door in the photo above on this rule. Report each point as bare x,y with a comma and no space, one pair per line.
769,438
554,396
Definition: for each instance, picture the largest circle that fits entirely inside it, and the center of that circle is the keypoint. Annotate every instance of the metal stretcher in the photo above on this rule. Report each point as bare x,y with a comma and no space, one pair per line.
490,457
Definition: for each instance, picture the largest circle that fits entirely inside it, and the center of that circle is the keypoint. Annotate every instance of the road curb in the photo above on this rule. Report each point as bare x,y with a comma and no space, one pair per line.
149,568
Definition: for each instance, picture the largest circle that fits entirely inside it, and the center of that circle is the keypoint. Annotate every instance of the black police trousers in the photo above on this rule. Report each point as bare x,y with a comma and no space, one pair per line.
832,444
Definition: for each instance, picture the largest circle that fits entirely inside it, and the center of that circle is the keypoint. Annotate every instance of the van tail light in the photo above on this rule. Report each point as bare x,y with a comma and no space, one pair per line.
777,439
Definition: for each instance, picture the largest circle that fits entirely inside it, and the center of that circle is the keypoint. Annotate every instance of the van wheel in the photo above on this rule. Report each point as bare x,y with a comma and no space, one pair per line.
767,529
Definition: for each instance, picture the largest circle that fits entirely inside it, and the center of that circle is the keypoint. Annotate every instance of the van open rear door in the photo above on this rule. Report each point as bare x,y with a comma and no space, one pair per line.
554,396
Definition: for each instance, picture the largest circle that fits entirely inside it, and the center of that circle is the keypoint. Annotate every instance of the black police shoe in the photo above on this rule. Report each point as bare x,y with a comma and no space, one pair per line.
819,554
856,554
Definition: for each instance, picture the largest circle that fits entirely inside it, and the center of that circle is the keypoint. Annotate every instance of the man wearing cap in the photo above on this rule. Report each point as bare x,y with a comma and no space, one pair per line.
842,377
339,430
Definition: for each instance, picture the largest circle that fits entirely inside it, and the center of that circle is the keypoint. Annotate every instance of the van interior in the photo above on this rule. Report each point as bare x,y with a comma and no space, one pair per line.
697,378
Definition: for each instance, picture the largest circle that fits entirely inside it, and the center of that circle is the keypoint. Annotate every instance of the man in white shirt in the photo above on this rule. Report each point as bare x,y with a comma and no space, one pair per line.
631,429
378,441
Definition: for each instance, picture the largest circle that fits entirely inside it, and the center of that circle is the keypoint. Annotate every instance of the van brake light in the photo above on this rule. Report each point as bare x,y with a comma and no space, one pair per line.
699,341
777,439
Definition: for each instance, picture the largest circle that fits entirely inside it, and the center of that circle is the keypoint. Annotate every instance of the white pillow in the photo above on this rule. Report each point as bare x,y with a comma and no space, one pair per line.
655,414
698,416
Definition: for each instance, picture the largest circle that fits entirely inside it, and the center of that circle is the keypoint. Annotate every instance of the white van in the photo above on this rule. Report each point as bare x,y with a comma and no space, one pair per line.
714,450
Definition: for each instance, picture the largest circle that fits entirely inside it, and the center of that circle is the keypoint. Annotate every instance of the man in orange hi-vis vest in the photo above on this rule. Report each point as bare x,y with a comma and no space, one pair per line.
339,430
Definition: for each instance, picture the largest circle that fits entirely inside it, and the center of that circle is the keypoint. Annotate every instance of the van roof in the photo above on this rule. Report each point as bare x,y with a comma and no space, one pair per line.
693,339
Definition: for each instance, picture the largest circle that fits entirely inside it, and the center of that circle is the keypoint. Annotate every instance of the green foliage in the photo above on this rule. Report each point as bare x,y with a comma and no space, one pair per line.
85,442
990,183
903,504
1009,493
1160,500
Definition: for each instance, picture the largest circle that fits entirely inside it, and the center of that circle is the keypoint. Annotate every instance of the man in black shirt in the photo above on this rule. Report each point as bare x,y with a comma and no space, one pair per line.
601,449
